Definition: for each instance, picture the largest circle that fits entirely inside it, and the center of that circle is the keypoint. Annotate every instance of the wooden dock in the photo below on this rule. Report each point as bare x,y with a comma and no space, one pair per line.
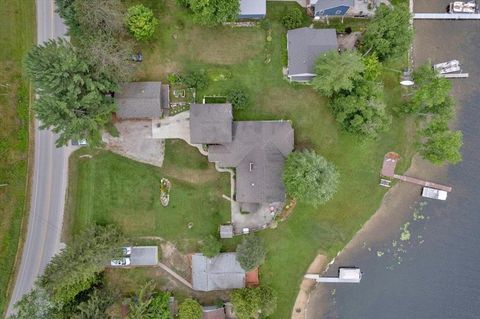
455,75
446,16
388,170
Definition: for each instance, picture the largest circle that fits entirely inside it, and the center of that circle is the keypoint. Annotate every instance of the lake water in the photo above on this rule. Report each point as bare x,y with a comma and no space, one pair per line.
426,262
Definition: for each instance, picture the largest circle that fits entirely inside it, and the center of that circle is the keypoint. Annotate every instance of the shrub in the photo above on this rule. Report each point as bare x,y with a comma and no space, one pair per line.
211,246
238,98
141,22
195,79
251,252
293,19
258,302
190,309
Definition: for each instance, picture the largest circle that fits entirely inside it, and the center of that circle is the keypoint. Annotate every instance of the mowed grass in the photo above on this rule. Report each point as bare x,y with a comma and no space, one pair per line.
109,189
17,27
257,68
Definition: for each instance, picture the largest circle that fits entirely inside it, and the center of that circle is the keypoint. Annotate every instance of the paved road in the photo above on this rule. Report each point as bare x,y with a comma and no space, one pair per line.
48,184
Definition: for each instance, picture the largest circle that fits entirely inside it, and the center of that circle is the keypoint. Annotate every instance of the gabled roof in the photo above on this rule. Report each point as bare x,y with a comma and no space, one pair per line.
218,273
211,123
328,4
257,151
253,7
305,45
139,100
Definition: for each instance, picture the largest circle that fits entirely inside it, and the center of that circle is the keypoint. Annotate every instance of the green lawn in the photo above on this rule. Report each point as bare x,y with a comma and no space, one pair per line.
109,189
17,27
246,58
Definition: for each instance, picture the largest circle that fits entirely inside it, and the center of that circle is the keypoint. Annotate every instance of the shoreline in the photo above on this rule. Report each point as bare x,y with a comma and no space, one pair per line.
388,218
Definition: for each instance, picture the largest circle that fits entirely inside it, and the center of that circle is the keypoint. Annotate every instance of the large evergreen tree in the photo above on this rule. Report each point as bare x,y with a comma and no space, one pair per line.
251,252
309,177
73,101
389,34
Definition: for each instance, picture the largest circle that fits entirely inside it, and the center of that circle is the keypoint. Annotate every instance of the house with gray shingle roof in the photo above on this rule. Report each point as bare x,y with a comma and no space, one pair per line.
304,45
257,152
218,273
322,8
253,9
141,100
211,123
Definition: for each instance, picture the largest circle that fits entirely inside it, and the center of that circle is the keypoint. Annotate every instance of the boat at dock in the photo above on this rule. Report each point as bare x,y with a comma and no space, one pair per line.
462,7
447,67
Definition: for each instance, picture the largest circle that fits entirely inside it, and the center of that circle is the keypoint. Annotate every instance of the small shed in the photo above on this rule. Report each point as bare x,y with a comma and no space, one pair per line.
141,100
226,231
253,9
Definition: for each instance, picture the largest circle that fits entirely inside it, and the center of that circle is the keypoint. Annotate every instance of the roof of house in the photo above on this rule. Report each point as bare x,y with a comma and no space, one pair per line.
139,100
327,4
212,312
218,273
211,123
257,151
304,47
253,7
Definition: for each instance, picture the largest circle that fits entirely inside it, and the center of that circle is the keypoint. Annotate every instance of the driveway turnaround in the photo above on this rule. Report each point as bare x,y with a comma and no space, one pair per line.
144,256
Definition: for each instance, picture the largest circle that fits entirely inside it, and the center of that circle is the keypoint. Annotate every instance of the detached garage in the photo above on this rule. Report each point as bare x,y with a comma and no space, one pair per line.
253,9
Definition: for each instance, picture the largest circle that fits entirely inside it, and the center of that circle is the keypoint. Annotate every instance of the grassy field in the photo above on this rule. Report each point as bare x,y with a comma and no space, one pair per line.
256,66
108,189
17,27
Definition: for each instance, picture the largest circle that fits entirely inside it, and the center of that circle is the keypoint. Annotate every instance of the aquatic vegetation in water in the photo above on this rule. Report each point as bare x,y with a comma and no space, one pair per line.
405,232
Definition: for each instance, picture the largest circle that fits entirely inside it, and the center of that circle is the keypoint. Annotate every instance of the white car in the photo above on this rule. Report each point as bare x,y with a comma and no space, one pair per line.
120,262
127,251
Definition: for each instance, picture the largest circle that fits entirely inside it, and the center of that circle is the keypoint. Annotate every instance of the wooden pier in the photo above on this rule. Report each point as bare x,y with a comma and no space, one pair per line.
345,275
446,16
455,75
388,170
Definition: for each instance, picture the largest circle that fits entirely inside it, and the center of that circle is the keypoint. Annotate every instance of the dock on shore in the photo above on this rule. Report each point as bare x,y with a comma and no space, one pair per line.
388,170
345,275
446,16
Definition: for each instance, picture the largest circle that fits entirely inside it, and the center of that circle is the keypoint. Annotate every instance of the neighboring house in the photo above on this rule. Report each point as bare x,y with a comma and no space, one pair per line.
213,312
304,45
219,273
253,9
256,149
142,100
323,8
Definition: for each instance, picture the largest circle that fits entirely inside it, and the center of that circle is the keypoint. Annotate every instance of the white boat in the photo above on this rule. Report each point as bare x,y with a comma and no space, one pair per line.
447,67
434,193
463,7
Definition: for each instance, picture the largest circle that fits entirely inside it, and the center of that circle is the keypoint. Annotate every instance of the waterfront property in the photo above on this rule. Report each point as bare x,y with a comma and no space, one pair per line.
304,45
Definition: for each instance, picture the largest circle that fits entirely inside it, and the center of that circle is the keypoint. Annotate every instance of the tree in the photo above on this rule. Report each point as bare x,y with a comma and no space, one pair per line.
309,177
95,307
190,309
443,146
373,67
76,268
362,112
337,72
238,98
432,92
389,34
36,304
211,12
258,302
293,19
211,246
66,10
251,252
141,22
100,17
195,79
149,304
73,100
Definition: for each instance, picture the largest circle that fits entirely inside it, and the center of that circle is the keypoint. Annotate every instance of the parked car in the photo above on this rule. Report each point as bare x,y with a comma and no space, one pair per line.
119,262
127,251
81,142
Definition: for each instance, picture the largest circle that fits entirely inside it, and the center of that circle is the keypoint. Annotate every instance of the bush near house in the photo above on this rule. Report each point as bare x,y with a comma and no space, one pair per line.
258,302
251,252
293,19
190,309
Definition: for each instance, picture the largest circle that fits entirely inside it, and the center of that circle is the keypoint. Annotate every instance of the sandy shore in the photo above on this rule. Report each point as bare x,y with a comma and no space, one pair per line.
388,218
